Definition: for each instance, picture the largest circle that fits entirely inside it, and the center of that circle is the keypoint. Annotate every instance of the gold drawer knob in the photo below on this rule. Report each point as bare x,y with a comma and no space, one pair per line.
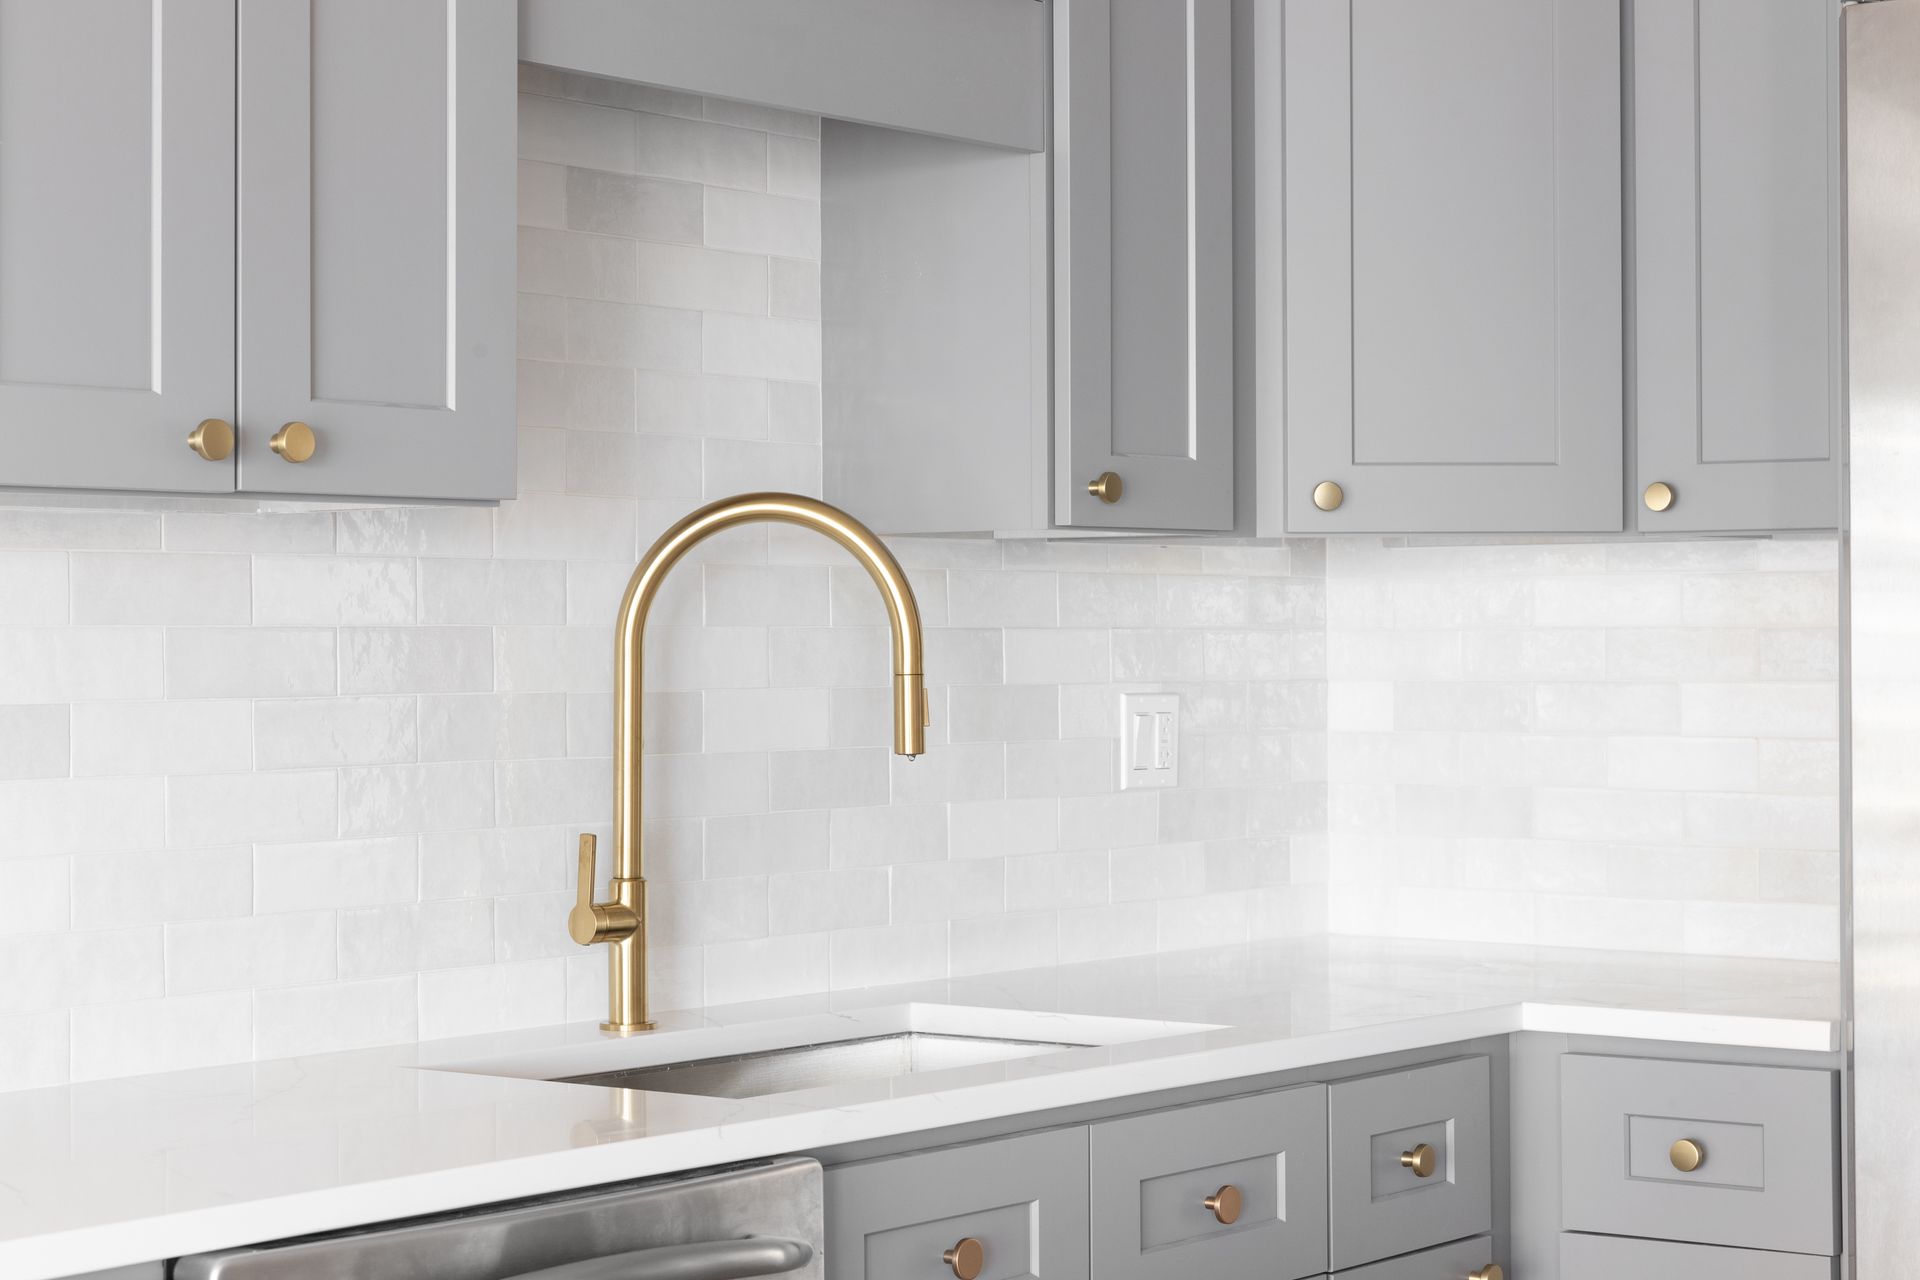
1327,495
1226,1204
1659,496
294,442
1107,486
1423,1160
967,1258
1491,1271
212,439
1687,1155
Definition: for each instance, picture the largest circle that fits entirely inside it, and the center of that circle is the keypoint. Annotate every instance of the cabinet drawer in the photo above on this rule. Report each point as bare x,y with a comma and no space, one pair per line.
1584,1257
1456,1261
1764,1136
1151,1176
1023,1199
1377,1206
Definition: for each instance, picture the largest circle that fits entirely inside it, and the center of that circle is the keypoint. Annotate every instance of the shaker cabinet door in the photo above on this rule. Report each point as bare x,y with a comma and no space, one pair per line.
1737,264
1452,253
116,242
376,187
1143,305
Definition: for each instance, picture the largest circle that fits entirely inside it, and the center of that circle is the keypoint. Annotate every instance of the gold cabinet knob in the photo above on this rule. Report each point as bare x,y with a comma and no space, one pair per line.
1491,1271
1423,1160
1327,495
1226,1204
294,442
1659,496
1687,1155
1107,486
212,439
967,1258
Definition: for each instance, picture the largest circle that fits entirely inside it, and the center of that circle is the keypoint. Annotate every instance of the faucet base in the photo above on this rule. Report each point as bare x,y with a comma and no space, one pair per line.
626,1028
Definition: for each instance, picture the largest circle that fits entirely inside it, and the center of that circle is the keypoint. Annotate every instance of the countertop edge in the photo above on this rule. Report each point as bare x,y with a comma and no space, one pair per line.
64,1253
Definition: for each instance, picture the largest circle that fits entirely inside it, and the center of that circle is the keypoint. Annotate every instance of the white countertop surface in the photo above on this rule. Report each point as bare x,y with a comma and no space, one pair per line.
112,1172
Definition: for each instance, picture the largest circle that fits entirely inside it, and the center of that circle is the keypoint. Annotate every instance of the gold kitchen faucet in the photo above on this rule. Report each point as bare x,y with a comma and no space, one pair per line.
621,922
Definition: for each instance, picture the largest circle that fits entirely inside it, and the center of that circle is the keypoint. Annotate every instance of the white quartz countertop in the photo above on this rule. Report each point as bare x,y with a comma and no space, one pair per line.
122,1171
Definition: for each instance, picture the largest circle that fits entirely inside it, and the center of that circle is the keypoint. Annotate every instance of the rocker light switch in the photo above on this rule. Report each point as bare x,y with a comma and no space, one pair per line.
1149,740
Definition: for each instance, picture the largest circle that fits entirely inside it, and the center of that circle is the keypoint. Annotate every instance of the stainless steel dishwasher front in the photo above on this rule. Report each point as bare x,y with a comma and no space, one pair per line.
728,1224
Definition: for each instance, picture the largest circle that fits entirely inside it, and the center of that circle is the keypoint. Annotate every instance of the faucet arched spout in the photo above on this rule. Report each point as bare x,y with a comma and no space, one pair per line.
622,921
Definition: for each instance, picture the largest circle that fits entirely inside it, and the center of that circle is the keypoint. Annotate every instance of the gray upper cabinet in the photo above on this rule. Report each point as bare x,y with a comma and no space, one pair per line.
376,184
1143,271
1452,265
1737,264
116,242
364,286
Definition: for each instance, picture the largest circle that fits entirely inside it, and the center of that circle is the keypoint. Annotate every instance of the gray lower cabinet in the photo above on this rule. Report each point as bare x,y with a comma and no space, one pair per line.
1591,1257
1410,1160
1706,1152
116,178
1021,1202
1453,266
1460,1260
1737,264
1231,1190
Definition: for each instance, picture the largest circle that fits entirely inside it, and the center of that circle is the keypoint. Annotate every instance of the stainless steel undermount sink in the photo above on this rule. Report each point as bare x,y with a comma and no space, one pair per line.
863,1046
754,1075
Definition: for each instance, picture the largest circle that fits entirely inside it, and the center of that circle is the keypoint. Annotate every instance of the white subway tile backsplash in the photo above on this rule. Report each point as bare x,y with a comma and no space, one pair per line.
173,589
35,741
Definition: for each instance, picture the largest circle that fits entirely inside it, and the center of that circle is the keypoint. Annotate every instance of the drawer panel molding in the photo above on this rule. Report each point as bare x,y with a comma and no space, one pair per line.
1410,1160
1706,1152
1585,1257
1153,1175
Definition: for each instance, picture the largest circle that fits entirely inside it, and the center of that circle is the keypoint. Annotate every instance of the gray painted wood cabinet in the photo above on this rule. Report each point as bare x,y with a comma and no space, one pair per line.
1737,263
1022,1201
973,71
365,286
1452,264
1410,1160
1456,1261
1594,1257
1143,262
377,162
1759,1171
1234,1190
116,242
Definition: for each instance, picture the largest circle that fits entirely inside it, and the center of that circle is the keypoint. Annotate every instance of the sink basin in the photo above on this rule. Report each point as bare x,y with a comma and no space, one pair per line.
754,1075
756,1059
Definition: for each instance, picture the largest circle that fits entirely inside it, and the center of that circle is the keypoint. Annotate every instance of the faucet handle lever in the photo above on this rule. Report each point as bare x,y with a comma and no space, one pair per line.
587,877
589,921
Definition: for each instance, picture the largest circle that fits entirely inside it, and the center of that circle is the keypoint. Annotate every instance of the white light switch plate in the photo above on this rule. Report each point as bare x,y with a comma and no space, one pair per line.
1149,740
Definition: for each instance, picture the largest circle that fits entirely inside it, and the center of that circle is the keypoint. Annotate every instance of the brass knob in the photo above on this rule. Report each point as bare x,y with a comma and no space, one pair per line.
966,1258
1659,496
1327,495
1491,1271
1225,1204
1423,1160
1687,1155
294,442
1107,487
212,439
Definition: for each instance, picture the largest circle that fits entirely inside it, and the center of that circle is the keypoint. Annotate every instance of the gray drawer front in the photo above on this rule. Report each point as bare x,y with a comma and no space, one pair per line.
1454,1261
1023,1198
1375,1207
1768,1179
1151,1175
1585,1257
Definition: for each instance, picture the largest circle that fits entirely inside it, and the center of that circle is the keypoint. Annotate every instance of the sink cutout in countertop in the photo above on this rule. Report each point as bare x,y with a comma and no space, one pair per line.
791,1055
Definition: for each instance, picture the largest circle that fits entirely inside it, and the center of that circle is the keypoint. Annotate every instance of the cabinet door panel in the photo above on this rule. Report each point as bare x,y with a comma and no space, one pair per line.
1452,223
376,245
1143,191
1737,263
116,241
